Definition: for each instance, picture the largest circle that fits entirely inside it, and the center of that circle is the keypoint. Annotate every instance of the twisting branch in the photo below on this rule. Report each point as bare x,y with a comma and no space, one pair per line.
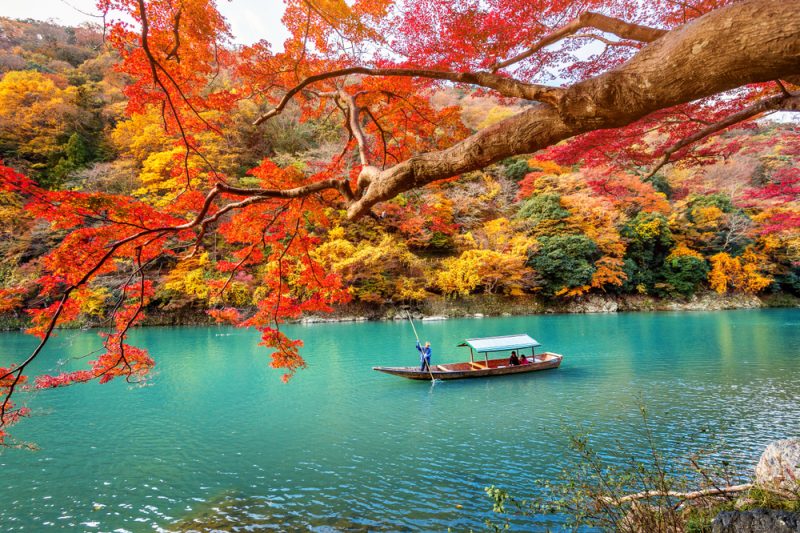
620,28
505,86
785,102
355,126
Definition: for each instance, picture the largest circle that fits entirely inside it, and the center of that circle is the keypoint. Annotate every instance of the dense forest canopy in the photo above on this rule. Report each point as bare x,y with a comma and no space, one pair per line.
388,152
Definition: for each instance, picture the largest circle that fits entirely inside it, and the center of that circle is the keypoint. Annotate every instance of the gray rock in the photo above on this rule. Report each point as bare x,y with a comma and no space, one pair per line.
779,466
756,521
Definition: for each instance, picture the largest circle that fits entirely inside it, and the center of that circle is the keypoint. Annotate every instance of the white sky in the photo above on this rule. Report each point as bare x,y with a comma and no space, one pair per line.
250,20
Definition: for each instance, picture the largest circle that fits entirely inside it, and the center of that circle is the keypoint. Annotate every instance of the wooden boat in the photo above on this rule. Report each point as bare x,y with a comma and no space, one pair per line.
487,367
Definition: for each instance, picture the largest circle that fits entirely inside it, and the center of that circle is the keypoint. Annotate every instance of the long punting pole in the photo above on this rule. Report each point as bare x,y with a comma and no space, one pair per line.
417,336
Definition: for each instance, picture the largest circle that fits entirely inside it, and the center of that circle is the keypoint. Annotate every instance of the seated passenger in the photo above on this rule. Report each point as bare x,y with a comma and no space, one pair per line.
513,360
522,359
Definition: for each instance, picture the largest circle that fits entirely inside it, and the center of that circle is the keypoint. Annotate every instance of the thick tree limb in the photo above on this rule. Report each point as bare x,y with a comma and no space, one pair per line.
784,101
504,86
746,42
620,28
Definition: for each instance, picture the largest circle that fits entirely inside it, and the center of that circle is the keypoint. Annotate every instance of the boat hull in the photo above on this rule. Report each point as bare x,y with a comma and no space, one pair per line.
478,369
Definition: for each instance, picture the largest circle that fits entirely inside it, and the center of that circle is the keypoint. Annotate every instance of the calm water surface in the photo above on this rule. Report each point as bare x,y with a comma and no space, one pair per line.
217,438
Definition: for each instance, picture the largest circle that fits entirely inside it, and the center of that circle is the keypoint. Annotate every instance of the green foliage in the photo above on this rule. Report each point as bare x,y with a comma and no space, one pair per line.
542,208
789,281
77,150
661,184
515,169
683,275
721,201
564,262
622,489
649,243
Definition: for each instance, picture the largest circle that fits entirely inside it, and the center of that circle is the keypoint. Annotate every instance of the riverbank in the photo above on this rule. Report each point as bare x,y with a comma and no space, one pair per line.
496,305
479,305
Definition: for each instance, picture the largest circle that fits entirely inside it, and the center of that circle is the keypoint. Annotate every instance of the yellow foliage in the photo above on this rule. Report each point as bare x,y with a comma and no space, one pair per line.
681,250
237,294
141,135
499,235
407,289
162,158
738,273
457,276
494,271
495,115
570,292
493,188
709,216
335,250
189,277
336,233
374,273
465,241
649,230
548,167
34,113
609,271
93,301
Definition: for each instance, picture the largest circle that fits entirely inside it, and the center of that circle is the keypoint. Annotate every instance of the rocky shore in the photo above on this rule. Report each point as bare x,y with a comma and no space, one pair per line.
478,306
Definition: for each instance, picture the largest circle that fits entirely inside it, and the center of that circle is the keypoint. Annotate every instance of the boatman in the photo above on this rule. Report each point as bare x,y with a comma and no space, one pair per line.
424,356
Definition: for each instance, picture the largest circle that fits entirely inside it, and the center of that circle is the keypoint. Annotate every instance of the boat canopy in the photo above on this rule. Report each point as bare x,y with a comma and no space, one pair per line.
500,344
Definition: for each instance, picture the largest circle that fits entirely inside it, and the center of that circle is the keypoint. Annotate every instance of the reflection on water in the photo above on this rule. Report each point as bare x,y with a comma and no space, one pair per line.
216,440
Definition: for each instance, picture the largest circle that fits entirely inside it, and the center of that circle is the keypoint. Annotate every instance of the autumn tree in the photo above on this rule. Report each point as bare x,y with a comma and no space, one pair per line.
677,71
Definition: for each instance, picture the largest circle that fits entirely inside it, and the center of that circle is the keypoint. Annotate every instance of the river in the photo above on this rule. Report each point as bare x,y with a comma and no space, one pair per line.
214,437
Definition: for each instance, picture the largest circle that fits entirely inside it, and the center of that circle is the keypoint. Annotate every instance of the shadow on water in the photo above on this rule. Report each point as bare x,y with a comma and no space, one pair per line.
232,510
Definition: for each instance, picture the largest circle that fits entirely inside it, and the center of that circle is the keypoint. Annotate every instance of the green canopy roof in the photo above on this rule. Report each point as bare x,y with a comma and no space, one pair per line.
503,343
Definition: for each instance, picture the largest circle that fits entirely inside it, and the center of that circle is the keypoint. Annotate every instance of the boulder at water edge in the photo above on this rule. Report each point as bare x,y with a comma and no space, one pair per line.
779,466
757,521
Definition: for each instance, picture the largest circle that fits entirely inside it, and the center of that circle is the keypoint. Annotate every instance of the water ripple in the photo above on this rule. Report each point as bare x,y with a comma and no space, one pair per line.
218,442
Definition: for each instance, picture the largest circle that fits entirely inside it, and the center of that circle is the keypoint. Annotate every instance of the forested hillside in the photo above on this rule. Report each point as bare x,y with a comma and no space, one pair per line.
724,218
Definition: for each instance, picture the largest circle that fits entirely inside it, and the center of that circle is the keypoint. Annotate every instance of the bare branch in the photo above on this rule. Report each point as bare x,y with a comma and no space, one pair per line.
620,28
678,495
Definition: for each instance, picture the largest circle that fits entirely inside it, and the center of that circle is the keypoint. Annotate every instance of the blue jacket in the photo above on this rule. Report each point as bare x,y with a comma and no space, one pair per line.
424,352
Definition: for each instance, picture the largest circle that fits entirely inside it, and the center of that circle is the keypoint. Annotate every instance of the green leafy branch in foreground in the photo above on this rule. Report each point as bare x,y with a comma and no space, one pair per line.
634,492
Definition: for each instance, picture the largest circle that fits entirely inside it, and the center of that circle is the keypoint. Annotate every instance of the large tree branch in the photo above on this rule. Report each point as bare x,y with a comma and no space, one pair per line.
747,42
620,28
504,86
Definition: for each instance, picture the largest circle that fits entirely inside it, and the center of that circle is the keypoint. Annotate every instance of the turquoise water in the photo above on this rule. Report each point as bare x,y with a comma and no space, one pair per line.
216,436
